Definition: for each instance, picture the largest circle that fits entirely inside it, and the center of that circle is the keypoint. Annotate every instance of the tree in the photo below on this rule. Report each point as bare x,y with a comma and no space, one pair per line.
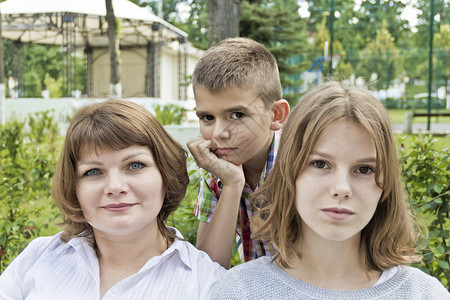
441,38
381,57
346,25
321,36
441,16
169,7
115,85
2,79
374,12
223,16
278,26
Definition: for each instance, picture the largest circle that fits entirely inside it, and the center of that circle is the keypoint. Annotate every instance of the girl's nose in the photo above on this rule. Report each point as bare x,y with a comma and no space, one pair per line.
341,187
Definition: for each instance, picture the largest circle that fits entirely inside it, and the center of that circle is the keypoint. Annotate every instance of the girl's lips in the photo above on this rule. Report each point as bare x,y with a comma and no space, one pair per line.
337,214
118,206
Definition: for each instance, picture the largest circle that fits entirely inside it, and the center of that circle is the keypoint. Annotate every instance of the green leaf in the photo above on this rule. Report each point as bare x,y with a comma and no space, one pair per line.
443,264
440,249
437,188
438,200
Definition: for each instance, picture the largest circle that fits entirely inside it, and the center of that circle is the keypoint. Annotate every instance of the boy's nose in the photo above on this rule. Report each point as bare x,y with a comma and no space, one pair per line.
341,186
116,184
221,131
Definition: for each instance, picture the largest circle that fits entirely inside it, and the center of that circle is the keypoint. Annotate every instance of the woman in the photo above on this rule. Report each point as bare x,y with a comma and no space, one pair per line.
118,178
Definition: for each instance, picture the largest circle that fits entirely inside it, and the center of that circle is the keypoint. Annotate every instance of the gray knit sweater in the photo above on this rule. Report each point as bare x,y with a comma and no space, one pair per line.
263,279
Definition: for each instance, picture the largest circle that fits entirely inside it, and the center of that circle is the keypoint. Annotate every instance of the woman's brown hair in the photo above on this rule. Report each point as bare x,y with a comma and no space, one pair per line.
388,240
115,125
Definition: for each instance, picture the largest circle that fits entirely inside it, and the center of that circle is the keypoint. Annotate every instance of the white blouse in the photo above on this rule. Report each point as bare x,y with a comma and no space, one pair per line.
51,269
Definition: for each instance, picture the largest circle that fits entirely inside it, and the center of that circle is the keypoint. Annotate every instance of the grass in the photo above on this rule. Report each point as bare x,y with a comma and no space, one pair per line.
398,116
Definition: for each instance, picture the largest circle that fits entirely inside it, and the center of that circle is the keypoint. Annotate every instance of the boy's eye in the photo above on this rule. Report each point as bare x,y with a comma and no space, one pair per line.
365,170
320,164
207,118
237,115
92,172
136,166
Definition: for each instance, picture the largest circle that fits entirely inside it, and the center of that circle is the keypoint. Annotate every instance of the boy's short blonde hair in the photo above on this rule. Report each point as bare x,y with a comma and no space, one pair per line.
388,239
115,125
241,63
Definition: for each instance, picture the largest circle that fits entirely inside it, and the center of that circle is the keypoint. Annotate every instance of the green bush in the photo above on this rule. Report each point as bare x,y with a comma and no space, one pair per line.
53,86
183,218
26,169
426,172
421,103
33,85
169,114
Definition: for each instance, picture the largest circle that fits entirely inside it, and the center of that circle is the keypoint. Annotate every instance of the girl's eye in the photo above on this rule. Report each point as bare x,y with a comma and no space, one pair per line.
320,164
237,115
136,166
92,172
365,170
207,118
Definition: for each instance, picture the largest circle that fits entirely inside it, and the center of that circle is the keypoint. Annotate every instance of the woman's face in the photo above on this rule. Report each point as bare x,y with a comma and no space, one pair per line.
120,192
336,194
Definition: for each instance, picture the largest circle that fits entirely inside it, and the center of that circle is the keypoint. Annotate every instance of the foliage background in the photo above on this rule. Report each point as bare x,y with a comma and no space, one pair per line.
371,41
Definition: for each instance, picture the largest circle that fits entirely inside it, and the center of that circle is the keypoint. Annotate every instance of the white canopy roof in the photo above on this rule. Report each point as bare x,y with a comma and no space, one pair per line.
41,21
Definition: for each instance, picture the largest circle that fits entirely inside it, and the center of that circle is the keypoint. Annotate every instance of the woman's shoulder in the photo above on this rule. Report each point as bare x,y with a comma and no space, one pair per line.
36,250
191,256
42,244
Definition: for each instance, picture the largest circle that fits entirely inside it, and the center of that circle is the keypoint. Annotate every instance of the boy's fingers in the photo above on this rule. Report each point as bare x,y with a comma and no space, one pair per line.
201,151
194,140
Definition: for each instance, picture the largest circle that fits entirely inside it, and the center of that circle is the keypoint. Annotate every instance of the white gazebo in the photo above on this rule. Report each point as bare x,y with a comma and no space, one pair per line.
152,50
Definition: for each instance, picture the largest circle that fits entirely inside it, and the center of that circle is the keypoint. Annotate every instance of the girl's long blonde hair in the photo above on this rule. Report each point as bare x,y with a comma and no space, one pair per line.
389,238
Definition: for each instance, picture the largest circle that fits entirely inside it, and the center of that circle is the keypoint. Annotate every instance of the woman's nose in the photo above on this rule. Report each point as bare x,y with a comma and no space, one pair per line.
116,184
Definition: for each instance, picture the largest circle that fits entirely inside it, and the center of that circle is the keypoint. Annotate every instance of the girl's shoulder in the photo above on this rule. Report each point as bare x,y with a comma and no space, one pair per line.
424,284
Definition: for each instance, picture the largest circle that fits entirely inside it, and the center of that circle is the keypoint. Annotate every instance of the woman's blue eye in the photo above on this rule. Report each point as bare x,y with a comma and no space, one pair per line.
365,170
237,115
136,166
320,164
93,172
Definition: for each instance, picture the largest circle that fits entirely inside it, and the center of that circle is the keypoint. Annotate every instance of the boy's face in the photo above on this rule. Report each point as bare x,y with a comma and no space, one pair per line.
237,123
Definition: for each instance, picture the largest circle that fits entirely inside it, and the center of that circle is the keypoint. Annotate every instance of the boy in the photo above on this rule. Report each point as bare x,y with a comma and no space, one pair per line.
238,101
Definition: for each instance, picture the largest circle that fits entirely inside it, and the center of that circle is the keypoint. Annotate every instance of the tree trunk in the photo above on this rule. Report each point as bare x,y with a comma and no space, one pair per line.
115,85
223,16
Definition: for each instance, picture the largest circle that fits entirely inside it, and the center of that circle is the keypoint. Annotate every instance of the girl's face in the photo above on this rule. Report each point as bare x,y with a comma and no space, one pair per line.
336,194
120,192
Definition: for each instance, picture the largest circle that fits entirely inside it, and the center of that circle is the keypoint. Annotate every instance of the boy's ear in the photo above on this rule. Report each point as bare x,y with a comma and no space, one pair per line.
280,111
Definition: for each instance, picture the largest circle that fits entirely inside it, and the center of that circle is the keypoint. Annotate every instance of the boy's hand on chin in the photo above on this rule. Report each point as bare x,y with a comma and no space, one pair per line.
201,149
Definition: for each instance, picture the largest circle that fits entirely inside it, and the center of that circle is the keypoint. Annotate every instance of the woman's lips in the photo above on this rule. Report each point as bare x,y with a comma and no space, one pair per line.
337,214
116,207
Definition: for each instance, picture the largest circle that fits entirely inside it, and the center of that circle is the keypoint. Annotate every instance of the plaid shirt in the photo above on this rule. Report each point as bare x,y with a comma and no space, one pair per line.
209,193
